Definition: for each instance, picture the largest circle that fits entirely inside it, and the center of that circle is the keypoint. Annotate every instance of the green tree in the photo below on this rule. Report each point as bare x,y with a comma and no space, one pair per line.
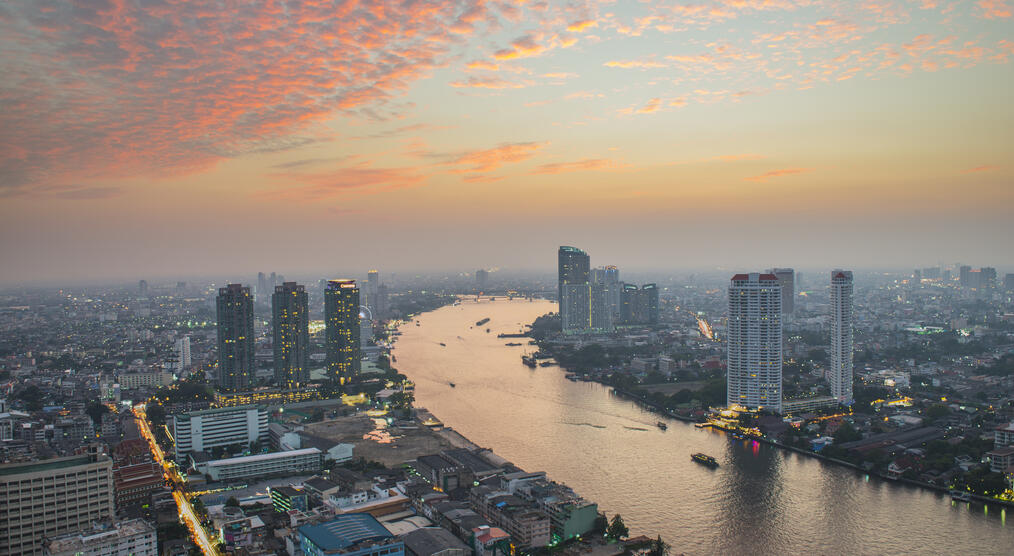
846,433
937,411
659,547
156,414
617,529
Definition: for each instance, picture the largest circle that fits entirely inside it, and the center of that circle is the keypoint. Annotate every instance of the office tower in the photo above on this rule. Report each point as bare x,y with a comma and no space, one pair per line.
606,294
53,497
200,431
1008,282
382,305
142,287
945,276
573,275
754,342
481,276
341,329
639,305
964,276
987,278
183,352
917,276
290,318
262,287
840,373
787,280
931,273
235,337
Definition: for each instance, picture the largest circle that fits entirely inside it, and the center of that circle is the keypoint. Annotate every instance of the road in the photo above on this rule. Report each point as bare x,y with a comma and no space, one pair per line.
186,509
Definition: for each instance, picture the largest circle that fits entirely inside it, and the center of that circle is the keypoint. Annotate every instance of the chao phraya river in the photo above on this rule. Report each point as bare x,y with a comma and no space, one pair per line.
761,500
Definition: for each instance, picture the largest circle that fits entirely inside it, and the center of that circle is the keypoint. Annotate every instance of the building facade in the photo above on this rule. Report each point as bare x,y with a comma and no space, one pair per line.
51,498
199,431
290,311
840,373
235,307
754,342
787,280
573,269
306,460
134,538
341,322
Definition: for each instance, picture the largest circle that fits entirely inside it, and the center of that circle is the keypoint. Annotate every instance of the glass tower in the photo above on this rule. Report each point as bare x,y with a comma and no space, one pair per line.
341,329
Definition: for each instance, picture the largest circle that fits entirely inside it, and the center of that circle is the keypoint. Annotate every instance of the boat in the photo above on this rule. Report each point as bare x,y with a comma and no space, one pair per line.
452,384
546,364
482,322
705,459
512,344
443,344
528,360
487,331
961,495
662,425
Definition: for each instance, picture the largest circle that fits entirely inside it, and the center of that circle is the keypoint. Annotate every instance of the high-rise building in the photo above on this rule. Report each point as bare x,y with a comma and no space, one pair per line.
1008,282
262,287
183,352
573,267
754,342
965,276
383,309
372,287
481,276
639,305
142,287
235,337
290,311
840,373
987,278
200,431
53,497
341,329
787,280
606,292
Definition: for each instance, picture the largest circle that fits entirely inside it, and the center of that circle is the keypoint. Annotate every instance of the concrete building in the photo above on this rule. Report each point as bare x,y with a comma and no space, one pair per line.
293,462
840,373
290,312
350,534
183,352
155,378
341,334
639,305
787,281
199,431
51,498
235,309
434,541
134,538
527,526
754,342
481,278
1003,435
573,266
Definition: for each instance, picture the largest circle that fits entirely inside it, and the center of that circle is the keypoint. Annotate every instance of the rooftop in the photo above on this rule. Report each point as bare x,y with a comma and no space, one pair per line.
264,457
45,465
80,542
345,531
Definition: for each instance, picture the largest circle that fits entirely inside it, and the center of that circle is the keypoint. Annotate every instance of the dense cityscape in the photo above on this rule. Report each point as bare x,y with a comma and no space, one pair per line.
169,419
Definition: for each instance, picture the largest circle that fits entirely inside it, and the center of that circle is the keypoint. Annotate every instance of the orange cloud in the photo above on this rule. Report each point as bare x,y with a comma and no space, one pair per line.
777,173
523,47
576,166
361,179
579,26
977,169
486,83
642,64
490,159
994,9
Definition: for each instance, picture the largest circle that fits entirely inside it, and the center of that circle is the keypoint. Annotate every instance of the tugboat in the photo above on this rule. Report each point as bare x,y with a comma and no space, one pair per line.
705,459
662,425
528,360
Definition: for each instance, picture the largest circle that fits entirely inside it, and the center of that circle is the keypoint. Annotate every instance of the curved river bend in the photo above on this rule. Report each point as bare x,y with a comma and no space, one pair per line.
761,500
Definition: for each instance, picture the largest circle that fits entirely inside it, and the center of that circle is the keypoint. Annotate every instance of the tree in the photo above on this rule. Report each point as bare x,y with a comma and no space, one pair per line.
846,433
156,414
937,411
617,530
96,410
659,547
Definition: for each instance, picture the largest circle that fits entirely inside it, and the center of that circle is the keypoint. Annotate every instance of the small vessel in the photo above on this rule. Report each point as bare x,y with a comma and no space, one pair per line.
705,459
528,360
443,344
962,495
452,384
546,364
662,425
487,331
482,322
512,344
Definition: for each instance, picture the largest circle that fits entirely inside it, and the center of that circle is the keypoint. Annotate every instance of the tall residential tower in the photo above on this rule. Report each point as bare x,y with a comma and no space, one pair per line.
235,337
341,334
291,321
754,342
840,373
574,288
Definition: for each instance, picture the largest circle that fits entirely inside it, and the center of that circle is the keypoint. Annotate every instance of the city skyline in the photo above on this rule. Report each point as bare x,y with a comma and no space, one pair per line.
457,132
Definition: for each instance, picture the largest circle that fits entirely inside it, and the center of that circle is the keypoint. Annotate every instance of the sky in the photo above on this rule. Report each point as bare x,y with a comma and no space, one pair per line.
160,138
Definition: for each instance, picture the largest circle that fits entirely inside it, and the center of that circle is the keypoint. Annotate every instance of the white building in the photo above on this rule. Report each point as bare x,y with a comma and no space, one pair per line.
198,431
840,373
1003,435
293,462
52,497
155,378
754,342
183,352
135,538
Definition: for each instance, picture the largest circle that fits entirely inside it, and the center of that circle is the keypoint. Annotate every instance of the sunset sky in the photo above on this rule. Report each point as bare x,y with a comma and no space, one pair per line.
143,139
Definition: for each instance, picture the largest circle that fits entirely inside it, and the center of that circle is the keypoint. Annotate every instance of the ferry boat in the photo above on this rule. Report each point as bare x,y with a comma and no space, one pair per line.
961,495
662,425
528,360
705,459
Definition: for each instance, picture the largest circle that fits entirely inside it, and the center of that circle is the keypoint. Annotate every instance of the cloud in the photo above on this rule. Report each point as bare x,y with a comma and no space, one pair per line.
986,168
522,47
486,83
579,26
651,106
994,9
360,179
109,89
777,174
486,160
66,192
579,165
736,157
640,64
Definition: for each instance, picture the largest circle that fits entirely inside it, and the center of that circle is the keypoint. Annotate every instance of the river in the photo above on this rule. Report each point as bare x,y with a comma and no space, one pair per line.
761,500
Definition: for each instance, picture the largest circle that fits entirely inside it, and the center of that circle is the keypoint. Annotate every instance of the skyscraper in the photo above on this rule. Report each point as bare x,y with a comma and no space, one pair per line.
639,305
372,290
787,280
235,337
574,291
606,293
964,276
341,333
142,287
754,342
481,276
840,373
291,322
183,352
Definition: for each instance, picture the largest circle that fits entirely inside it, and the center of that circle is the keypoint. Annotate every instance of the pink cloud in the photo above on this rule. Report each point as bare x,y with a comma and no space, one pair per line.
994,9
576,166
977,169
777,174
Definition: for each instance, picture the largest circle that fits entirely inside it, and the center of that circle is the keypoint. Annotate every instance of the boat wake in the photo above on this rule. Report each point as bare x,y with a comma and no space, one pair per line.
585,425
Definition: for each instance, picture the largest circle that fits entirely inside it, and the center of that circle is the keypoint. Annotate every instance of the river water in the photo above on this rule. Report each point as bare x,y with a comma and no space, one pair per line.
761,500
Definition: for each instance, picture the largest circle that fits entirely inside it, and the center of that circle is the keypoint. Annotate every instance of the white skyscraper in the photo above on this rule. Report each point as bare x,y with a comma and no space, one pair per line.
183,352
840,373
754,342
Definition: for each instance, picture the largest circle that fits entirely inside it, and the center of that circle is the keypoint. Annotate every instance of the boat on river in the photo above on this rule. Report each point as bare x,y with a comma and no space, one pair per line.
705,459
961,495
529,360
452,384
662,425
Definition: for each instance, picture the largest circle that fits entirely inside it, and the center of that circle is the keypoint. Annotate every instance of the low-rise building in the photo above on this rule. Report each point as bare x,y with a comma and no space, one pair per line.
199,431
433,541
1003,435
307,460
350,534
527,526
135,537
1001,459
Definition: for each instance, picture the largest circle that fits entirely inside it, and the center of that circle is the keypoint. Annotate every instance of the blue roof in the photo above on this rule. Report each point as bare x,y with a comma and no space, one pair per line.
345,531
